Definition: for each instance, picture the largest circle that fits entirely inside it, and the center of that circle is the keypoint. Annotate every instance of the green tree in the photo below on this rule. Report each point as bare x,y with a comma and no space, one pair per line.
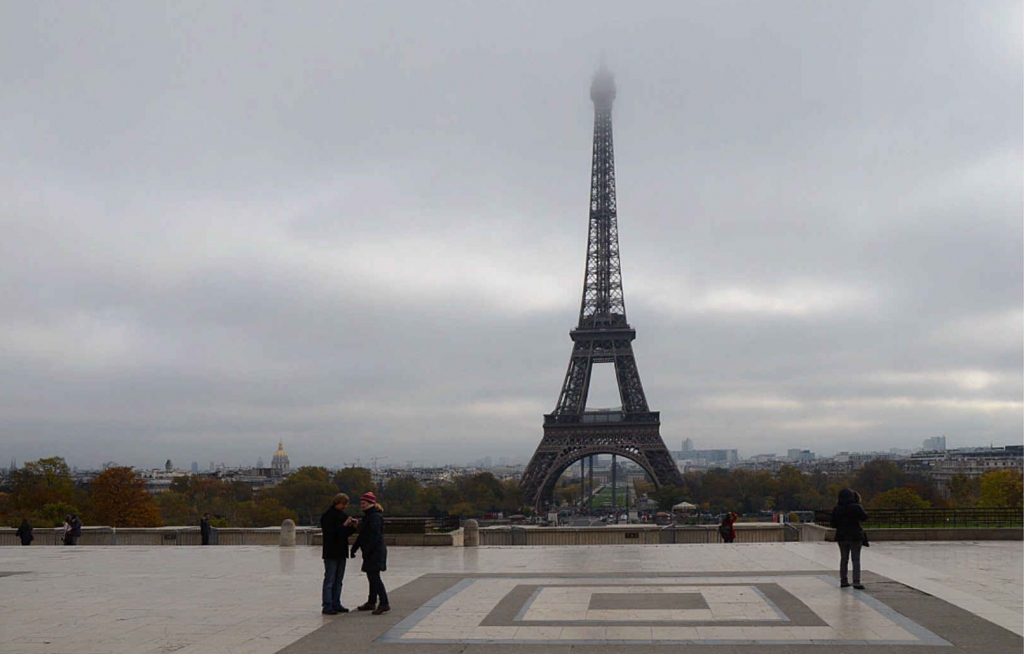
899,498
269,513
513,496
1001,488
52,515
876,477
42,482
790,484
401,496
668,496
570,493
177,509
308,492
354,481
964,491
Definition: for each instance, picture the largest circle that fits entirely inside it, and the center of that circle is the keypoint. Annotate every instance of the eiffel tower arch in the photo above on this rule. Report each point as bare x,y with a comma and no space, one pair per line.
603,335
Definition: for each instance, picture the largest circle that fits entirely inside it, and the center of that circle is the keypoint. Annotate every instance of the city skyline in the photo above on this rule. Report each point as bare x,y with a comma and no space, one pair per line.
360,229
186,463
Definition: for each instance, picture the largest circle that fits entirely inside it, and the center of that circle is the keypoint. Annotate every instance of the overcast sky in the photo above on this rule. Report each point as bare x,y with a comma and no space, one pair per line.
361,227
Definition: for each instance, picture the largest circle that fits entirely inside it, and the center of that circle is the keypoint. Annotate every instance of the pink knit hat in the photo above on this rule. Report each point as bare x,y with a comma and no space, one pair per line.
368,496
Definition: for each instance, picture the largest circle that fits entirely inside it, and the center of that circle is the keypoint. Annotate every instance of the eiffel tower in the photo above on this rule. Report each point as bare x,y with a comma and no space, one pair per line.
571,433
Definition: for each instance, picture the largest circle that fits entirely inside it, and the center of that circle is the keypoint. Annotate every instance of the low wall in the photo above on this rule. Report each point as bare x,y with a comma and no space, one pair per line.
746,532
960,533
812,532
155,536
752,532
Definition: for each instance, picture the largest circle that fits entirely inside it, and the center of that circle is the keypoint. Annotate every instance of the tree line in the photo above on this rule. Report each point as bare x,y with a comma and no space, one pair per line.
43,492
881,483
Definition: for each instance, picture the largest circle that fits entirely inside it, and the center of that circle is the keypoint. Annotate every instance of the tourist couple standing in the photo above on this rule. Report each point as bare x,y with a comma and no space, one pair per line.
337,526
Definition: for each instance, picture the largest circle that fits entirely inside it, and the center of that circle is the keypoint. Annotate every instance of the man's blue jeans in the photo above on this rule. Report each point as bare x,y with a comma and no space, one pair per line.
334,574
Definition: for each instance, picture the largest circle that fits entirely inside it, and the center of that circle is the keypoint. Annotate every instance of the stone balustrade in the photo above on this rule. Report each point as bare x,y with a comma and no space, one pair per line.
746,532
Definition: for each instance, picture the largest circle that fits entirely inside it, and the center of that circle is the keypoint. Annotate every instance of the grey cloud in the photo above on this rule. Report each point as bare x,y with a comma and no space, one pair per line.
362,227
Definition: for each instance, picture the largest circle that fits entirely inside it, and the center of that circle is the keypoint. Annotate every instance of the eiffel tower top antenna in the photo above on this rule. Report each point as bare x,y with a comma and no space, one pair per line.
603,304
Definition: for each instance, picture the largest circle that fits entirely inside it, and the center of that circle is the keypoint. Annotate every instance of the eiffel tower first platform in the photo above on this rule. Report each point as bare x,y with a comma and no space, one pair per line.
603,335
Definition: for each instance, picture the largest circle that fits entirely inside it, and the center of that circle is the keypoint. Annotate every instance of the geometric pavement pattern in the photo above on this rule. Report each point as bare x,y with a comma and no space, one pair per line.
789,608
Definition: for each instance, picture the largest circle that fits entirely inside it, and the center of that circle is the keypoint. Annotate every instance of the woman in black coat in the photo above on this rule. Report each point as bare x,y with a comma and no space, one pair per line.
375,553
846,518
25,532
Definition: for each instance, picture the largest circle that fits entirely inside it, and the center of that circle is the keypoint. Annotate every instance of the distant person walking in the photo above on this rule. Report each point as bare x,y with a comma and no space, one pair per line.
337,526
375,553
204,528
25,532
66,537
76,529
726,528
846,518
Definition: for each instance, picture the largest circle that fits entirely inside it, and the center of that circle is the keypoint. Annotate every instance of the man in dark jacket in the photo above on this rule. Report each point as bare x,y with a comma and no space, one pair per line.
375,553
75,530
25,532
204,529
337,526
846,518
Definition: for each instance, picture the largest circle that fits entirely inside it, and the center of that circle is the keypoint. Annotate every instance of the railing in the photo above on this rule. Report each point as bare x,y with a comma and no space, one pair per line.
420,525
936,518
629,535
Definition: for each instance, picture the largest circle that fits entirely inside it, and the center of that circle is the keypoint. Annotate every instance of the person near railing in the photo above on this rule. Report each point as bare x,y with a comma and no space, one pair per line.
336,526
726,528
375,553
846,518
204,529
25,532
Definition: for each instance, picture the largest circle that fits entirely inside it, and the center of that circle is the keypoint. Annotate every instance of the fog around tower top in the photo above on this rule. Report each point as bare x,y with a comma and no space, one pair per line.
361,227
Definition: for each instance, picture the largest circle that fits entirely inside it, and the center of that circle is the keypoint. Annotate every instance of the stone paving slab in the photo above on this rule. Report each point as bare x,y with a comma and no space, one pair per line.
262,600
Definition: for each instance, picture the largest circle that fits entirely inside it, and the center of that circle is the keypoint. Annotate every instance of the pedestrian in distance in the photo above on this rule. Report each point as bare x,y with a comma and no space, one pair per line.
76,529
66,537
336,526
375,553
25,532
846,518
204,528
726,529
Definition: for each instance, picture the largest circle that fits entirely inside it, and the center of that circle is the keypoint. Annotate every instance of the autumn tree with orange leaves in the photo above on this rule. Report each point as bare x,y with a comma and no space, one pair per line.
120,499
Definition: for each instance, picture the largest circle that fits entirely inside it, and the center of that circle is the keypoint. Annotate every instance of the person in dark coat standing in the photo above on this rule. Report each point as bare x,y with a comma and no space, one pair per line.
337,526
204,528
25,532
727,529
375,553
846,518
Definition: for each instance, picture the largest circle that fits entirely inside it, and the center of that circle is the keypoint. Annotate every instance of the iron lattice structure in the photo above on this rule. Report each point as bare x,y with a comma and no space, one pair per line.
603,335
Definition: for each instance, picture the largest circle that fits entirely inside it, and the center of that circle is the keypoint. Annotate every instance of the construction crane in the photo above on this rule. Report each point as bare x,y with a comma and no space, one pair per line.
375,459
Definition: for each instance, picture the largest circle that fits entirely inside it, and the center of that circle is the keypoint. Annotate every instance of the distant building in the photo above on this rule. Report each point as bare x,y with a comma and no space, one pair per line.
935,444
688,445
195,467
708,457
259,463
280,464
799,456
941,465
168,466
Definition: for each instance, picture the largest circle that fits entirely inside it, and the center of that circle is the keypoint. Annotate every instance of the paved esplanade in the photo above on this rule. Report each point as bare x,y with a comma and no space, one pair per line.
779,597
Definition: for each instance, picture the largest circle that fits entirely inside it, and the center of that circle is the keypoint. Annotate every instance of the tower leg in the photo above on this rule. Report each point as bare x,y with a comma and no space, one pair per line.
615,505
